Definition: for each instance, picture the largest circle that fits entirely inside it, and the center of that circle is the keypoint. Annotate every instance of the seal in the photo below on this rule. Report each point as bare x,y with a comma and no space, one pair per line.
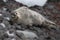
26,16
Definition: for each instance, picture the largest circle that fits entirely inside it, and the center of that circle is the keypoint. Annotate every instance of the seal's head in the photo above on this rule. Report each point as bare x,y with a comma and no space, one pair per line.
13,18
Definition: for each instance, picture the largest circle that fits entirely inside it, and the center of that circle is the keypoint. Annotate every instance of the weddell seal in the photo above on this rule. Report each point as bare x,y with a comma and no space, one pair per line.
24,15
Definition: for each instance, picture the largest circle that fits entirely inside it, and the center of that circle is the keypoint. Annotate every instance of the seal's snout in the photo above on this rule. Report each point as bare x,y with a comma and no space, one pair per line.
13,15
13,18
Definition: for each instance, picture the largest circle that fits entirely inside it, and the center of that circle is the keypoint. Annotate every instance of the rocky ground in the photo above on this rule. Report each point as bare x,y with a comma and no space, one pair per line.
22,32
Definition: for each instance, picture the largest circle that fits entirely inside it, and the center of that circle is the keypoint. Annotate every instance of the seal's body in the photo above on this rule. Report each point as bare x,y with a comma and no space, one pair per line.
25,16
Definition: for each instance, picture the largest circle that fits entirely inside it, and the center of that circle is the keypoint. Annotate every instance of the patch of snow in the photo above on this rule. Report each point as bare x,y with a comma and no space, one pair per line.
30,3
3,24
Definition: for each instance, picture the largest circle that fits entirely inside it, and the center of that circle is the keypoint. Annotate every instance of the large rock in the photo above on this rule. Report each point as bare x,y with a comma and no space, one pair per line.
24,15
27,35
